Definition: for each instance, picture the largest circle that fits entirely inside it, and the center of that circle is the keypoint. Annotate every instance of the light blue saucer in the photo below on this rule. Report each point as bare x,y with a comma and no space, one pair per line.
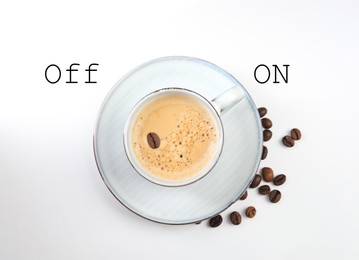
216,191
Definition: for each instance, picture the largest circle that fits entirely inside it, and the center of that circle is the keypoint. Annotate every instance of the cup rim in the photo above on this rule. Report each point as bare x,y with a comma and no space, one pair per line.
196,177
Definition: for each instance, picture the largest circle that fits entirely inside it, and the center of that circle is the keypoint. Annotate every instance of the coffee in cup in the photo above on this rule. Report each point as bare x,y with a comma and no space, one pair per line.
188,137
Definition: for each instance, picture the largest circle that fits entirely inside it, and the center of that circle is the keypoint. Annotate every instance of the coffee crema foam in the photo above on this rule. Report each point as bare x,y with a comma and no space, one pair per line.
188,134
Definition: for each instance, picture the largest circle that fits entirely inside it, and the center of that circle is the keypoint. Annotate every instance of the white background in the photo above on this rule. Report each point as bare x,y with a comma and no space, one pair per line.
53,203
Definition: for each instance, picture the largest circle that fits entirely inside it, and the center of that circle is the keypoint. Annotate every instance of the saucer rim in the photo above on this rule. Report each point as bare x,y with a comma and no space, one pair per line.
109,94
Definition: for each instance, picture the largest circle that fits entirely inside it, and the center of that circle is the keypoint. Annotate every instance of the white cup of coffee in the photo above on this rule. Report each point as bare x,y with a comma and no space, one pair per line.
174,136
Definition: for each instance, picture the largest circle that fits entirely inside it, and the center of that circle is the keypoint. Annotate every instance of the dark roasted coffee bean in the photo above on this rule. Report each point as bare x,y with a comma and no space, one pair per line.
267,135
199,222
244,196
267,174
264,152
274,196
256,181
153,140
235,218
262,111
288,141
251,212
264,189
215,221
266,123
295,134
279,179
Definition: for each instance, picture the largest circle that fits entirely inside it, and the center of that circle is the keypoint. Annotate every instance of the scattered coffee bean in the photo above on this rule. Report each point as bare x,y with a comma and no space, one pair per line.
199,222
279,179
267,135
215,221
262,111
295,134
288,141
153,140
264,152
266,123
244,196
264,189
267,174
250,212
274,196
235,218
256,181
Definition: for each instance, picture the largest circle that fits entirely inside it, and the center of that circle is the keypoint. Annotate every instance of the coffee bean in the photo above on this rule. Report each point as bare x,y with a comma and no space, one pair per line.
235,218
264,152
288,141
267,174
279,179
267,123
215,221
264,189
267,135
197,223
262,111
295,134
153,140
256,181
244,196
251,212
274,196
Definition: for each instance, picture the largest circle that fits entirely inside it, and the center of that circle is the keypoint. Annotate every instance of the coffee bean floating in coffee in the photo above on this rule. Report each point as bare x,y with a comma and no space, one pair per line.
264,152
153,140
251,212
244,196
256,181
235,218
267,135
295,134
274,196
288,141
266,123
267,174
262,111
264,189
215,221
279,179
